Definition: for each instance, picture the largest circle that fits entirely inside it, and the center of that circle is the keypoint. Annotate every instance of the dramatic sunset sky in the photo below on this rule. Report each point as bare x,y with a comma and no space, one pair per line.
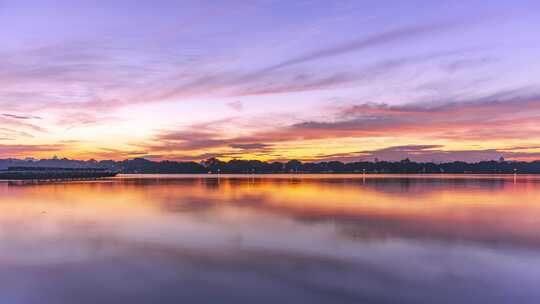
270,79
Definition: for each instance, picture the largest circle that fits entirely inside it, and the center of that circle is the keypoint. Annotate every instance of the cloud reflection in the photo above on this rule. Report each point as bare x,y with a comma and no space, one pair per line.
339,239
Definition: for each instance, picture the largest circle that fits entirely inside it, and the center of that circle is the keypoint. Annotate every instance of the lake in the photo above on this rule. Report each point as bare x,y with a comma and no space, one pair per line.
272,239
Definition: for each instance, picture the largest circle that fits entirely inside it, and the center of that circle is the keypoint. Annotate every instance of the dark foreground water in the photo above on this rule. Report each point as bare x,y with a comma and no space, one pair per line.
281,239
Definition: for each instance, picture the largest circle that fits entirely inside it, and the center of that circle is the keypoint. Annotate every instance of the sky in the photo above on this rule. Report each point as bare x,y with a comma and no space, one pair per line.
270,79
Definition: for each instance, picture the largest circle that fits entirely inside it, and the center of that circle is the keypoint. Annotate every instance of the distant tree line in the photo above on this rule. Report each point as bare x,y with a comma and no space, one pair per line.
216,166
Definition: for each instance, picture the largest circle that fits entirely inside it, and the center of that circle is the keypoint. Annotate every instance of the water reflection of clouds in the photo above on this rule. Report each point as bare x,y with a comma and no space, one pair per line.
267,240
379,273
495,212
429,214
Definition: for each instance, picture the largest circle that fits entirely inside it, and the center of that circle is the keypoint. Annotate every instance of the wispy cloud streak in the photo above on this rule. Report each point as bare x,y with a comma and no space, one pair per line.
401,34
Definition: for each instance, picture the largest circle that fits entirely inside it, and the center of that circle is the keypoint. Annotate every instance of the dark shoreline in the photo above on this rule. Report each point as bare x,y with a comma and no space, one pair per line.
216,166
46,174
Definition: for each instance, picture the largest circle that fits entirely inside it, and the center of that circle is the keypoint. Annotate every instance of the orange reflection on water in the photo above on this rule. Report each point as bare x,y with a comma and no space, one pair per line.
469,209
322,238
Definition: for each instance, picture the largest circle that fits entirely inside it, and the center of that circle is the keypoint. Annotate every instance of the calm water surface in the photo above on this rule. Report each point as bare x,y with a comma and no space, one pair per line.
272,239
